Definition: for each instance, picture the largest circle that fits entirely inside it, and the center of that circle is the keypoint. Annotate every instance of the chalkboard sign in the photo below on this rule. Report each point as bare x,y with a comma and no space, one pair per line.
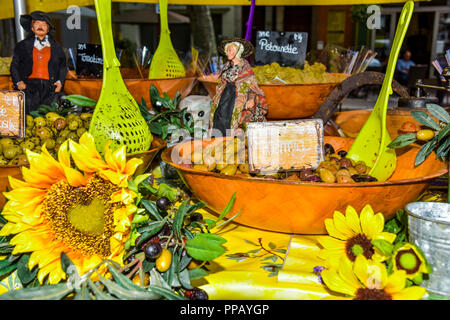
12,114
89,60
286,48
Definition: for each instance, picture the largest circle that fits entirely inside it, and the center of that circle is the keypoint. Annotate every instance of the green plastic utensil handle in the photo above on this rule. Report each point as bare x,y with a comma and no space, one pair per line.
103,9
402,27
163,16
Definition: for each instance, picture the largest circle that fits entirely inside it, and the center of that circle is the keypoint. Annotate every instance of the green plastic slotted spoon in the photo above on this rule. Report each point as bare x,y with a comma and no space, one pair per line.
165,62
116,116
371,143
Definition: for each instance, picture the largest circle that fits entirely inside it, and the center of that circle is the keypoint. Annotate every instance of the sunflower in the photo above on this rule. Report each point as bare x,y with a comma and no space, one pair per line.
84,211
368,280
352,235
410,258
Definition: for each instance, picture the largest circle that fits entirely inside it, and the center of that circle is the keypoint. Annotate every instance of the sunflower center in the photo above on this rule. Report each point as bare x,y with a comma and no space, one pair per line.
88,219
82,217
372,294
357,245
407,260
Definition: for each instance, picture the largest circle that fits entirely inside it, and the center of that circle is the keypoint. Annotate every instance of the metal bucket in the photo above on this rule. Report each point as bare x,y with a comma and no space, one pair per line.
429,229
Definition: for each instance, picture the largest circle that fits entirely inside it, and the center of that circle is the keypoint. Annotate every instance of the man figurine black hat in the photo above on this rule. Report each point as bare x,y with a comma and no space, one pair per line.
39,64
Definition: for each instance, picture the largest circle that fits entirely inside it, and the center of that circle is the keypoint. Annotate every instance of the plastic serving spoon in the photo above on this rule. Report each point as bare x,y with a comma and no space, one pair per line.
371,143
165,62
116,116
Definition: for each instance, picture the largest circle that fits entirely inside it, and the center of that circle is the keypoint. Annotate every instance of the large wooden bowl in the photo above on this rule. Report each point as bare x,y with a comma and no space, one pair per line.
16,172
138,87
290,101
302,207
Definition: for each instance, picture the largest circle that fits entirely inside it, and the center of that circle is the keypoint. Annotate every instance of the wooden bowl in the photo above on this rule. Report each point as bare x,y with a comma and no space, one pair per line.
16,172
139,88
288,101
148,156
302,207
351,122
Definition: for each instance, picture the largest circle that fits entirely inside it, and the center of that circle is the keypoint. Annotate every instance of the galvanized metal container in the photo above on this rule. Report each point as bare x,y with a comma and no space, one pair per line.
429,229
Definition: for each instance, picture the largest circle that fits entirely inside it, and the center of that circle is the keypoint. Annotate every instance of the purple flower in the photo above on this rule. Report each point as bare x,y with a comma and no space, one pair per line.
317,271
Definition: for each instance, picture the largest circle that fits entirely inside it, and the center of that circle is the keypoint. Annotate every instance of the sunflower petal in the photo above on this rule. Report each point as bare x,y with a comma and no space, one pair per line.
340,223
396,282
410,293
335,283
352,219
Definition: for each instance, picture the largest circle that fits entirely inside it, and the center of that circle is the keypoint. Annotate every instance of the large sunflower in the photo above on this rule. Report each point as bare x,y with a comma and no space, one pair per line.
352,235
368,280
84,212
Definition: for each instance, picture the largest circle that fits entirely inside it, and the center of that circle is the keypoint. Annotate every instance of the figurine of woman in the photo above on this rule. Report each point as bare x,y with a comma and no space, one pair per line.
238,99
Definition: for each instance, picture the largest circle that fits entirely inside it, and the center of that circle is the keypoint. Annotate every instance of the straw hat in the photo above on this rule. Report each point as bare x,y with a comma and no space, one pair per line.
248,46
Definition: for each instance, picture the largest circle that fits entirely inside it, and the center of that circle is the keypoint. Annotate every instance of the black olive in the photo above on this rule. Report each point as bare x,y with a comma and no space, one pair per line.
162,203
201,113
328,148
153,250
196,294
357,178
196,216
165,230
342,153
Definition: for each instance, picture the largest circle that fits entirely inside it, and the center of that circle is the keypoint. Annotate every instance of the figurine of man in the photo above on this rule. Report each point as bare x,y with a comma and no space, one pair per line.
39,66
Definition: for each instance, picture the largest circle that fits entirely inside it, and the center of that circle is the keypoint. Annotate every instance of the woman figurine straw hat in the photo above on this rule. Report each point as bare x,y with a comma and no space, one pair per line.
238,99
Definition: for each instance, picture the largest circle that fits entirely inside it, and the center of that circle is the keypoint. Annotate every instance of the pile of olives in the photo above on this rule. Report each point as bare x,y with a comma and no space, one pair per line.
53,130
336,168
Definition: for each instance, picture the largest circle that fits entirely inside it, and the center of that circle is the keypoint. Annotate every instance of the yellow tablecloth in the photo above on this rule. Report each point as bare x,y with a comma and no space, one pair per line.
247,280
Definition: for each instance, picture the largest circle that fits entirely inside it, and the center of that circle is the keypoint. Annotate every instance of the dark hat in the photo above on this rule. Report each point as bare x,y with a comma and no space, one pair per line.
27,19
248,46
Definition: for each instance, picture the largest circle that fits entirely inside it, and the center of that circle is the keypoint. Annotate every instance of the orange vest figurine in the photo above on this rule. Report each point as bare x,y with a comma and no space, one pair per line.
40,63
38,67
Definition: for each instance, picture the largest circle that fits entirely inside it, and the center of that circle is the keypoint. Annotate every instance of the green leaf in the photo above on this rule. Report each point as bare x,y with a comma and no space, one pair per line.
197,273
47,292
424,118
178,219
425,151
127,294
444,132
384,246
7,265
151,208
165,190
185,279
81,101
148,232
442,150
23,272
403,140
224,212
205,246
99,294
438,112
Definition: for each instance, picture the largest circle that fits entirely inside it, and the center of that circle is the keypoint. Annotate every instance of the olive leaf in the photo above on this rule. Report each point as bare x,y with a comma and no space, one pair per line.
443,133
81,101
425,151
48,292
403,140
438,112
424,118
197,273
151,208
23,272
225,211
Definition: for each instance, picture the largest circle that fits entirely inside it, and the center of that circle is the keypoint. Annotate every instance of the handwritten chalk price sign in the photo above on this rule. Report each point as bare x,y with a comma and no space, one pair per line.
89,60
286,48
12,114
285,145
